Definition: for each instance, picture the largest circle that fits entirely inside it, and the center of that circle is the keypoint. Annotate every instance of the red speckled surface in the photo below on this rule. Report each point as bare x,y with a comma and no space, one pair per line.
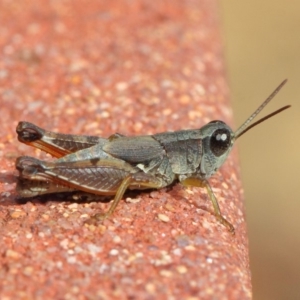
99,67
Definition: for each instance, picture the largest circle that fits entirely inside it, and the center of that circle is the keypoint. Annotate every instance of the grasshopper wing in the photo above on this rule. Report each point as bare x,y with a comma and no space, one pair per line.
136,149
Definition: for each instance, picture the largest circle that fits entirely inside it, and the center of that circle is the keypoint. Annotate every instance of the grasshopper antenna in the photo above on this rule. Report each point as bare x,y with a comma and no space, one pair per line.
245,126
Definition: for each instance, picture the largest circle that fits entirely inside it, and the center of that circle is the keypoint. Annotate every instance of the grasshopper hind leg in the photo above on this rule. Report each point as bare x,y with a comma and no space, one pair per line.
102,177
57,144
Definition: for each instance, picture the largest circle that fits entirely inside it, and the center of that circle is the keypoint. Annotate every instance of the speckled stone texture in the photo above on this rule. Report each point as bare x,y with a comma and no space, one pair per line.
100,67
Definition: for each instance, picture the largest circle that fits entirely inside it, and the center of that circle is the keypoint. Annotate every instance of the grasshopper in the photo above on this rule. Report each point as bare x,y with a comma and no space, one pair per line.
110,166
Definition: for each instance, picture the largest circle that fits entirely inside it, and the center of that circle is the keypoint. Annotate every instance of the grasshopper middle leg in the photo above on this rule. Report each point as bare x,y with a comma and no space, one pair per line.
138,180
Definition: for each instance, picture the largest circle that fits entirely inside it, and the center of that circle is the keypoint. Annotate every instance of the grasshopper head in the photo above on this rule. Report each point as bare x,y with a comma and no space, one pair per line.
217,142
218,138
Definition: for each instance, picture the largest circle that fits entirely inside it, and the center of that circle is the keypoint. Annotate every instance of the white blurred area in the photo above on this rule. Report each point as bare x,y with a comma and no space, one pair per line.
262,48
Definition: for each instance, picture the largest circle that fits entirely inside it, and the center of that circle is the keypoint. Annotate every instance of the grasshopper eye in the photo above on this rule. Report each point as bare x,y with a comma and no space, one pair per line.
220,141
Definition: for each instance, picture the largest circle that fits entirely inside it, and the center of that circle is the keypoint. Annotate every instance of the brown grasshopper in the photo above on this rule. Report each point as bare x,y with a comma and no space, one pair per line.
111,166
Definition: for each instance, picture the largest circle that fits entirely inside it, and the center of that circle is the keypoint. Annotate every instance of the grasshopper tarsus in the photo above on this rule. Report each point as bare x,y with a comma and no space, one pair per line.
96,219
110,166
227,224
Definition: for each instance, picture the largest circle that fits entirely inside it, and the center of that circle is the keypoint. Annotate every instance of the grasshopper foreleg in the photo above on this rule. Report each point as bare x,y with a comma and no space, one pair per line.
204,183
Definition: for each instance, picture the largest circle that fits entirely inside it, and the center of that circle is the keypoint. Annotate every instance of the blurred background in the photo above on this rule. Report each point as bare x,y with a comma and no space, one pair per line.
262,47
